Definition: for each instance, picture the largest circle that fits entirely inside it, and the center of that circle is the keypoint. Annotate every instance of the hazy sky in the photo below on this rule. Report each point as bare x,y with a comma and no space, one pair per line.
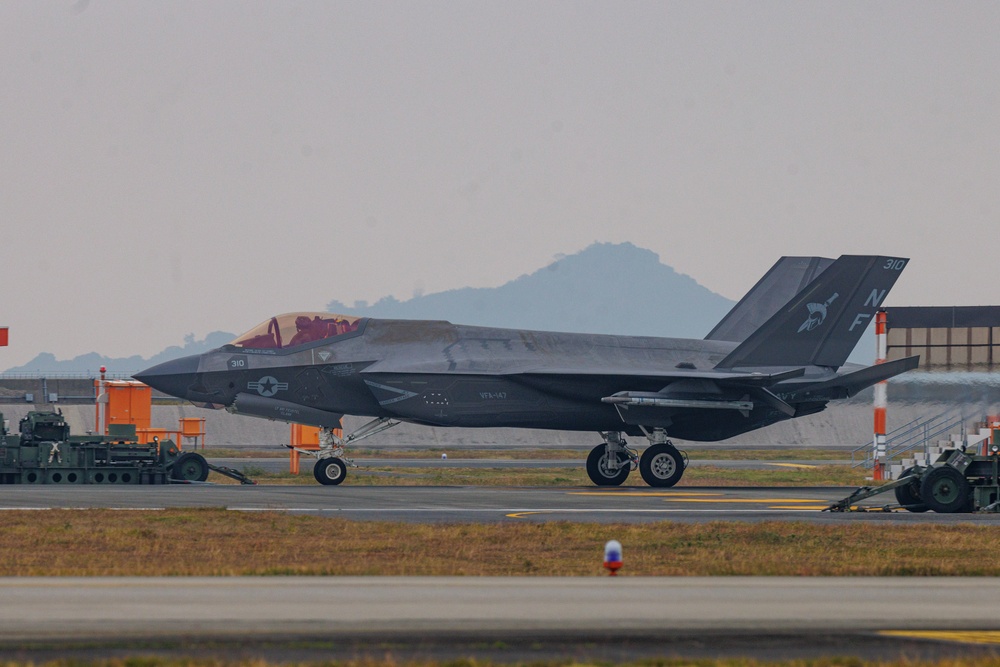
183,167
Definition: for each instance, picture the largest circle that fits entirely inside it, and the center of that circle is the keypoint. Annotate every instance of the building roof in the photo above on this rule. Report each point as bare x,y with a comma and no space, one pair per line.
914,317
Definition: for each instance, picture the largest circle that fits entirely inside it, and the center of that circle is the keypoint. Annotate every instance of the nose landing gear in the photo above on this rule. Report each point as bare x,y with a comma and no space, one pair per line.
331,464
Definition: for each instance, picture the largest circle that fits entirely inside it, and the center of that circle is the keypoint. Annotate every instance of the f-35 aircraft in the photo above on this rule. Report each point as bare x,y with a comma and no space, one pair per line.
779,354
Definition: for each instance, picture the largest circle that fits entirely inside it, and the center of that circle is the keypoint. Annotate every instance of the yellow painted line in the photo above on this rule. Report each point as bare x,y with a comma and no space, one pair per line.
962,636
636,494
768,501
520,515
792,465
800,508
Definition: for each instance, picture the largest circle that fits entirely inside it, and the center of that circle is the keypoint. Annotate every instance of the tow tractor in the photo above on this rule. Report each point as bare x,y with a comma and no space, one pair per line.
46,453
957,482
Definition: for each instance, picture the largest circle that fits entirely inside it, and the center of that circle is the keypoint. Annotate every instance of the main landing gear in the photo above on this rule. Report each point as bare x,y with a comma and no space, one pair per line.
661,465
609,464
331,464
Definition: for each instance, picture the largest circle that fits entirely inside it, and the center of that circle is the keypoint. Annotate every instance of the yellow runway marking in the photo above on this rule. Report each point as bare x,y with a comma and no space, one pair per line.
631,494
768,501
965,637
520,515
792,465
800,508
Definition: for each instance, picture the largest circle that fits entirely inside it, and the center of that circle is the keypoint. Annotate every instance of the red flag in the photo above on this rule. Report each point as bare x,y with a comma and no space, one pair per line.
3,336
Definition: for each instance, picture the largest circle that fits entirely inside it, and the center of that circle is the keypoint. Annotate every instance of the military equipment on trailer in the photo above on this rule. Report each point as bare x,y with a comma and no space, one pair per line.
956,482
46,453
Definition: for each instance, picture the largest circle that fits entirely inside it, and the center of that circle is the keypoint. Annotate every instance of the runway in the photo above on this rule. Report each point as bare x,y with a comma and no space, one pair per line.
593,616
479,504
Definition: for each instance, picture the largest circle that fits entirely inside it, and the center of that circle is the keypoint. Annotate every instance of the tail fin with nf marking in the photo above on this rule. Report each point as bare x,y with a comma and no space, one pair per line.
821,324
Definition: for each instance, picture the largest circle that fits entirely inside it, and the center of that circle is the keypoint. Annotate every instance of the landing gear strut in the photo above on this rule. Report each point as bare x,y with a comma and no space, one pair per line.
331,464
661,464
609,464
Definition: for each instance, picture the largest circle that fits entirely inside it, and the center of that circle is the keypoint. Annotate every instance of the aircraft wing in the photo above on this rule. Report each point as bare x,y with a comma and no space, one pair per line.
721,378
712,389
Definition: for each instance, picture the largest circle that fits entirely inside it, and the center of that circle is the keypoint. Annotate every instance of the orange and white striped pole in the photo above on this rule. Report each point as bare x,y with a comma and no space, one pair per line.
881,399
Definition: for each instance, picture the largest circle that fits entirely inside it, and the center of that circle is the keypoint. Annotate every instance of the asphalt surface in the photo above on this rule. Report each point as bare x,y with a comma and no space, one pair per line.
620,618
286,619
423,504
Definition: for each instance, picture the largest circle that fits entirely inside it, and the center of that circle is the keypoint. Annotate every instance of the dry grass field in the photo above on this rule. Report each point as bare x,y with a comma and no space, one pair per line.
219,542
469,662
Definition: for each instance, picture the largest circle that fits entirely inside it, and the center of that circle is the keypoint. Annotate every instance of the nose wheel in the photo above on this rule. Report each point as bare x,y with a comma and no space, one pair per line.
330,471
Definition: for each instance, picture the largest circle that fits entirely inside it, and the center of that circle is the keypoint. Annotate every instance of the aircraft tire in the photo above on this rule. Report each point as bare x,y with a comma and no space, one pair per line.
908,495
945,490
330,471
190,467
598,471
661,465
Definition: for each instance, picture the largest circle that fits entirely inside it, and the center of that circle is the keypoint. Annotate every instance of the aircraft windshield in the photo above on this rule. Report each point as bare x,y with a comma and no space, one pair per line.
293,329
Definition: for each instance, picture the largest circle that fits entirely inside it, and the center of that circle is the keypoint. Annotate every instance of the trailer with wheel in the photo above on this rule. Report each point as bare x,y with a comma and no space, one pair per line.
44,452
956,482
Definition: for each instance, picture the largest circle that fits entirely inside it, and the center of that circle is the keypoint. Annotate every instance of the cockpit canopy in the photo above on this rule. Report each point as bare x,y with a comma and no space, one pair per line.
293,329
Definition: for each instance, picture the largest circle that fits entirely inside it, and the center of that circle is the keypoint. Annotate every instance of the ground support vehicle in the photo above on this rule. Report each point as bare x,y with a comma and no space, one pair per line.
956,482
45,453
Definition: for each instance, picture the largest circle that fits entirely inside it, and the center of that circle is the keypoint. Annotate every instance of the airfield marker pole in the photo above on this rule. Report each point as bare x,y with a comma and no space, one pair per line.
98,391
881,398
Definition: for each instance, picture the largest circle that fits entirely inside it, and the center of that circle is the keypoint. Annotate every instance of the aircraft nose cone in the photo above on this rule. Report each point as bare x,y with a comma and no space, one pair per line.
173,377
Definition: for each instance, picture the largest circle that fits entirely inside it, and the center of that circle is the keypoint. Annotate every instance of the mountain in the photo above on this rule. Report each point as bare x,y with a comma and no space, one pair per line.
92,362
605,288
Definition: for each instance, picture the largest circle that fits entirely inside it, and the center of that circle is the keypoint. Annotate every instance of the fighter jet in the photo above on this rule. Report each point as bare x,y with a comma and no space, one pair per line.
781,353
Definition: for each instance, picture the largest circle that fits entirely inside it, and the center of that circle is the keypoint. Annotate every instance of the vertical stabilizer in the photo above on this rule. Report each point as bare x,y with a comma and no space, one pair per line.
785,279
821,325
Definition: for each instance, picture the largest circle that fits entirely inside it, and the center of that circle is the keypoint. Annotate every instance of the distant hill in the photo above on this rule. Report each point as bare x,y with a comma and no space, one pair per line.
92,362
605,288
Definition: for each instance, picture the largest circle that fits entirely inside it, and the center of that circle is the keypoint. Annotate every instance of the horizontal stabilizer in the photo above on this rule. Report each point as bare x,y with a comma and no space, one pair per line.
849,384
